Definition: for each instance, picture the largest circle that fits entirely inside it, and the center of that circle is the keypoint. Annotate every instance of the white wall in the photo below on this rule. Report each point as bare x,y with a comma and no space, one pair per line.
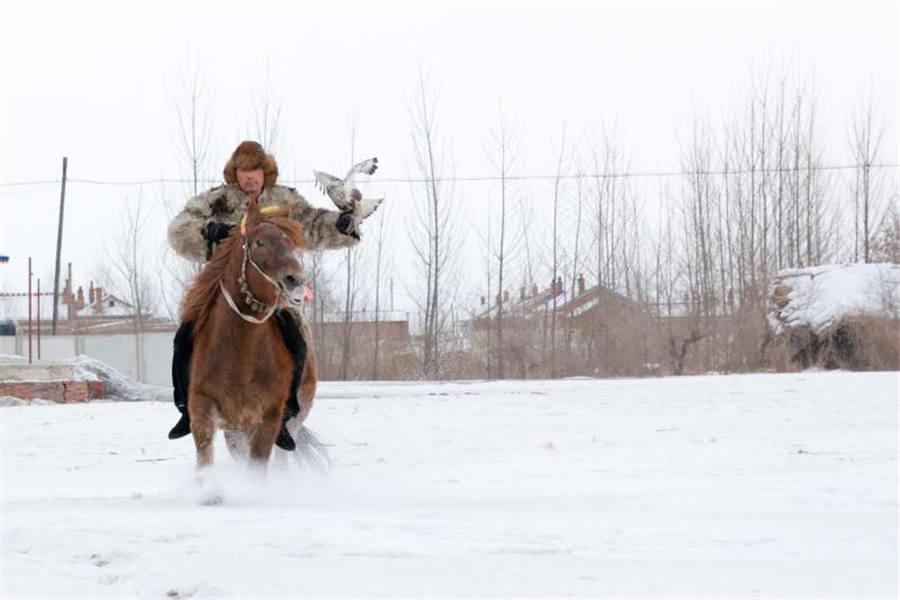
7,344
118,351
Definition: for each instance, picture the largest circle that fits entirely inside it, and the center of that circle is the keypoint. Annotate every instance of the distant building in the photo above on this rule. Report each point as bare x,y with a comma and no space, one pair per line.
99,312
393,326
595,331
579,309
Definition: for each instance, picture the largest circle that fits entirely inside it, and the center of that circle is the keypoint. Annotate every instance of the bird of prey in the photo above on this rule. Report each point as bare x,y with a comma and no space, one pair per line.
344,193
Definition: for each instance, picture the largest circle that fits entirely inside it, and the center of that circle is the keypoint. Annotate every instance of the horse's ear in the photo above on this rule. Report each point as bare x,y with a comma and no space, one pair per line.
252,216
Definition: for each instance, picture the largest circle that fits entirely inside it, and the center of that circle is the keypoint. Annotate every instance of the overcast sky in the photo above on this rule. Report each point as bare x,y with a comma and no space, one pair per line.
96,82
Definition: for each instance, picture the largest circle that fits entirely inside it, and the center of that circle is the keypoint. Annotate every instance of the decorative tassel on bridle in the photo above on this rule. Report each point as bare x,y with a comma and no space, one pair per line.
254,303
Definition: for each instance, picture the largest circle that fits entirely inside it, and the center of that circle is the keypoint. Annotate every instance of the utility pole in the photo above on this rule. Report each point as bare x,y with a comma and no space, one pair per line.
29,310
70,307
39,318
62,203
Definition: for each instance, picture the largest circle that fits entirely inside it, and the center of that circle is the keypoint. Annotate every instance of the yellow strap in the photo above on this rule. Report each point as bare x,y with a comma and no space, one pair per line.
264,211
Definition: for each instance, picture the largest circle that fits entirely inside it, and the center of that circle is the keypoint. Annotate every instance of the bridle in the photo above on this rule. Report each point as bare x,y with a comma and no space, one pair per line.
254,303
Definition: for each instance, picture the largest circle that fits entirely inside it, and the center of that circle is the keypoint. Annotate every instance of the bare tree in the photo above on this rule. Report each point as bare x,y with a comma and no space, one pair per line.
525,209
192,104
324,305
577,256
266,108
351,257
486,307
381,258
886,245
432,232
866,138
132,268
610,193
503,157
555,259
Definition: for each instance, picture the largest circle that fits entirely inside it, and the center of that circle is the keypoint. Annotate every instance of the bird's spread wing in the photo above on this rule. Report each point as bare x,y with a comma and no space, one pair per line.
326,180
333,188
366,207
366,167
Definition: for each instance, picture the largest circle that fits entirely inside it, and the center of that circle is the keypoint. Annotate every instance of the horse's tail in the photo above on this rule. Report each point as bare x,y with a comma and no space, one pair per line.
311,450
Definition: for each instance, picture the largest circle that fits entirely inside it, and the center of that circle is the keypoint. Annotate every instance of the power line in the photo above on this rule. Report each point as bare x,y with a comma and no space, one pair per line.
37,182
470,178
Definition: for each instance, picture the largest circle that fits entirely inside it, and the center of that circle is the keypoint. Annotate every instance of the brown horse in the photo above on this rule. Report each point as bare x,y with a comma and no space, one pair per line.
241,370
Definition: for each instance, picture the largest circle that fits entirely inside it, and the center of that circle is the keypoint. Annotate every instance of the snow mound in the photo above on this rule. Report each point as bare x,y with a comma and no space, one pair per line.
118,385
819,297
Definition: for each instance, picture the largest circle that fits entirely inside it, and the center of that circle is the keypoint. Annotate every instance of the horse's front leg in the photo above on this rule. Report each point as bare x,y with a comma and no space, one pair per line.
201,408
262,438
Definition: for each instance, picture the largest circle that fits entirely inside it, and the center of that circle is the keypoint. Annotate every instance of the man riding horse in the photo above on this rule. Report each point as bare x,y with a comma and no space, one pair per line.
208,218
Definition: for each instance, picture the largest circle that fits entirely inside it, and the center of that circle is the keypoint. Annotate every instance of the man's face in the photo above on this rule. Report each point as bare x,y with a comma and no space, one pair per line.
250,180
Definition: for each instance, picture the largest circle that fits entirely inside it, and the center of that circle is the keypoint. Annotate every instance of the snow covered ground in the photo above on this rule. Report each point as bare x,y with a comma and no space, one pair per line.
721,486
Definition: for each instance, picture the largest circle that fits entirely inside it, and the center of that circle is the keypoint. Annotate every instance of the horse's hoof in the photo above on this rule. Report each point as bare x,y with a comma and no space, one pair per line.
210,495
209,490
212,499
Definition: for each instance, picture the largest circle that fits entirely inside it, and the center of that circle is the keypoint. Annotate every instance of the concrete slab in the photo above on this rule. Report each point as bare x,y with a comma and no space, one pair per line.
36,372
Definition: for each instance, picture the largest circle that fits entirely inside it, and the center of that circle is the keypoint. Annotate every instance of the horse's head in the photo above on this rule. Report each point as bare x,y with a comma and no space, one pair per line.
270,241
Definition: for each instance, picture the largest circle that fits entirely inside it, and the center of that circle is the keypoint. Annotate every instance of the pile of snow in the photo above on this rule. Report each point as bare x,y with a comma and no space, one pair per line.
819,297
118,385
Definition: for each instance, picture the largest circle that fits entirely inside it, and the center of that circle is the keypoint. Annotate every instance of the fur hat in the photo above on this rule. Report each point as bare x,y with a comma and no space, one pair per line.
250,155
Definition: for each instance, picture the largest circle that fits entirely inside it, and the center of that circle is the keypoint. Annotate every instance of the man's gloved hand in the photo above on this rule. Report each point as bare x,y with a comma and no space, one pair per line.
216,232
345,225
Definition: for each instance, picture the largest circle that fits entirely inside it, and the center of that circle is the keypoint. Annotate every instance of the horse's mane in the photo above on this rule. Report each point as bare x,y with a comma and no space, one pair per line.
290,227
203,290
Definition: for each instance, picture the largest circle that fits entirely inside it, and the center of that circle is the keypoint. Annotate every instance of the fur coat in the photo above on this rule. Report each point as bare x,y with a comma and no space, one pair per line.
227,204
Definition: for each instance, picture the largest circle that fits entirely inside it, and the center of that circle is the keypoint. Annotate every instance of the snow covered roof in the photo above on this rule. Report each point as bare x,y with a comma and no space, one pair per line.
536,302
566,304
367,316
597,296
15,308
113,306
819,297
